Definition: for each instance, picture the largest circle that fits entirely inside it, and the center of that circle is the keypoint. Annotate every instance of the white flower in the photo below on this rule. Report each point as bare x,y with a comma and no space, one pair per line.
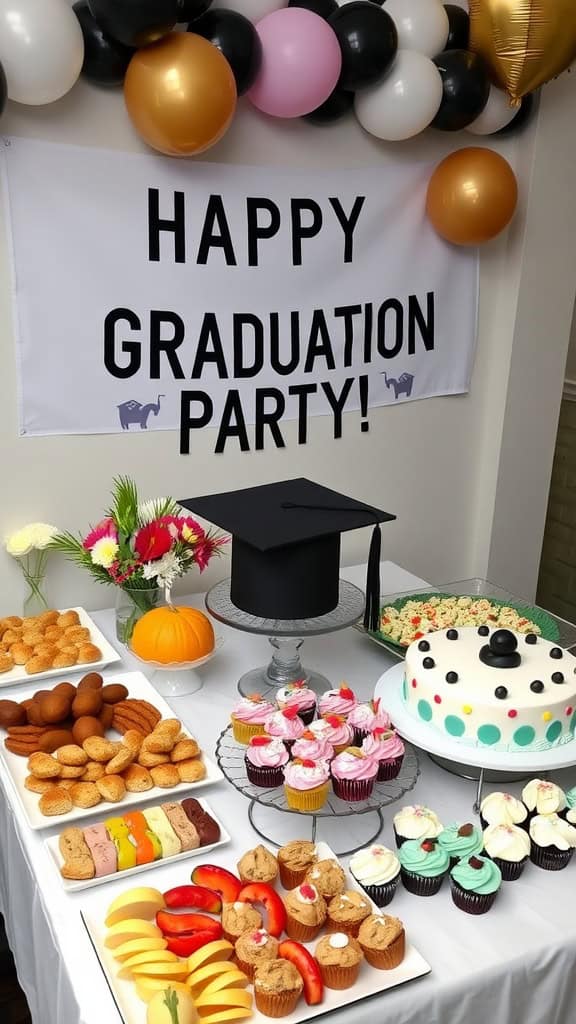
43,534
165,570
104,552
28,538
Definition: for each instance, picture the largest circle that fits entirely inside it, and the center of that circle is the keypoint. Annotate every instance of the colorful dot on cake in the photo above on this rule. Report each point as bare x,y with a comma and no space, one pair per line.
414,684
466,709
424,710
437,699
512,713
489,734
454,725
573,723
546,716
569,710
524,735
553,731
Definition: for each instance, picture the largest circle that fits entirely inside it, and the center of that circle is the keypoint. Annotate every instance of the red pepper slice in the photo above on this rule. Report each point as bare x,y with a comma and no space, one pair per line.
197,897
307,967
187,924
219,879
188,944
260,892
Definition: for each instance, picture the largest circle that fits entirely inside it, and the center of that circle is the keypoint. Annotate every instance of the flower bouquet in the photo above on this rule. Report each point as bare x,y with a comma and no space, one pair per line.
29,546
141,548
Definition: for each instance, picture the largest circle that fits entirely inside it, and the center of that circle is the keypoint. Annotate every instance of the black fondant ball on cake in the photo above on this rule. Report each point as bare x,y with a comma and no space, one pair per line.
531,638
556,652
484,631
428,663
451,677
501,651
537,686
423,645
452,634
503,641
501,692
557,677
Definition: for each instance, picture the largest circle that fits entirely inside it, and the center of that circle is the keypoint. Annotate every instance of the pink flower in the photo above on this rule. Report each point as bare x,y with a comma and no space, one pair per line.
181,527
152,541
203,552
106,528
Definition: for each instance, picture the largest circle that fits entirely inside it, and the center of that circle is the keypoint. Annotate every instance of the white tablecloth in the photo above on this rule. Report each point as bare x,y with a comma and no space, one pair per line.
516,965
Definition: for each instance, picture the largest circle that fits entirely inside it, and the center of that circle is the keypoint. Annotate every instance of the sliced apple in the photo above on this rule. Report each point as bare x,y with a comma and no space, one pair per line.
134,946
230,979
153,956
143,902
228,999
177,971
227,1016
204,975
218,950
134,928
146,988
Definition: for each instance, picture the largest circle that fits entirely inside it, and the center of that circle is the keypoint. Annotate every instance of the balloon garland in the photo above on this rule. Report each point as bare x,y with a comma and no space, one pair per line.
400,66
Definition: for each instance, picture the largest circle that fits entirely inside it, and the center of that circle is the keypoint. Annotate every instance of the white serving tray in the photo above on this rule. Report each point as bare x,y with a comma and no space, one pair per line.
109,655
57,859
16,767
389,689
370,982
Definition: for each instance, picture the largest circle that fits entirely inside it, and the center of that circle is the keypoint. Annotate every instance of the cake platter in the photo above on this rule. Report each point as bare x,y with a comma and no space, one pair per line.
436,744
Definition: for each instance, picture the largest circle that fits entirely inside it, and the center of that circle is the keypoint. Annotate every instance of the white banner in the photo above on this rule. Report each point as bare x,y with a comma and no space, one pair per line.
167,294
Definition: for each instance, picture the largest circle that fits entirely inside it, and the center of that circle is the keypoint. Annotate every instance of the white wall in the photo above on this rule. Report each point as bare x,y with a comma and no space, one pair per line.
435,463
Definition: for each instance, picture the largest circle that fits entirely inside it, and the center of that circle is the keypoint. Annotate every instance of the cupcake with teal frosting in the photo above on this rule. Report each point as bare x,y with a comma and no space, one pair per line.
569,812
461,841
423,866
475,884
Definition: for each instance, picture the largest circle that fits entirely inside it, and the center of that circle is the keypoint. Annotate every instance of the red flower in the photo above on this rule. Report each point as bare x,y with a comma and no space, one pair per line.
152,541
106,528
203,552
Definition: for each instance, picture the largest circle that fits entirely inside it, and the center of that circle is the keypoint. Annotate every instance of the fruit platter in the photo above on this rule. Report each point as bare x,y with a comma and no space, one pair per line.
219,946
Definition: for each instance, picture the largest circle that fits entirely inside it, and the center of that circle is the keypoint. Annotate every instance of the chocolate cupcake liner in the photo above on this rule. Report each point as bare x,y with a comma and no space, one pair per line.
400,840
421,886
509,869
550,857
267,777
301,932
389,958
352,790
359,736
339,977
472,902
308,715
388,770
276,1004
381,895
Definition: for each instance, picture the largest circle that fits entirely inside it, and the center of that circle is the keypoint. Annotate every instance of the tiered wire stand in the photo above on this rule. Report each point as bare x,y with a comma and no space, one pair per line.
230,756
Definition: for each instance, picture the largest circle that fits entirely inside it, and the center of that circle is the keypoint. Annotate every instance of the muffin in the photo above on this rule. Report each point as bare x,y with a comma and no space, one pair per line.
306,784
423,866
353,775
277,988
365,718
347,911
509,847
552,842
416,822
298,695
387,749
264,760
328,877
541,797
305,912
248,717
313,748
339,957
258,865
335,730
337,702
253,948
461,841
383,941
285,725
377,870
294,861
475,884
502,809
238,918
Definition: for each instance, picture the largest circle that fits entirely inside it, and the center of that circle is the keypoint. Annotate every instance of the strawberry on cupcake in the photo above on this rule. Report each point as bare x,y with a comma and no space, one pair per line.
334,729
315,748
337,702
285,725
264,760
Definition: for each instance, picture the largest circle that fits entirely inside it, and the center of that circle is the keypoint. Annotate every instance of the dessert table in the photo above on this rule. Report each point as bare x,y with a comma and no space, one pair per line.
516,965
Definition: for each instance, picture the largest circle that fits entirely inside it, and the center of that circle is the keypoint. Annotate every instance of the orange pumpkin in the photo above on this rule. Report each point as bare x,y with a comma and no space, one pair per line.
173,634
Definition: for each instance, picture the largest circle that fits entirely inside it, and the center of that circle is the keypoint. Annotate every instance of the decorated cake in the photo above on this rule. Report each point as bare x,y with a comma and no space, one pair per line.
493,688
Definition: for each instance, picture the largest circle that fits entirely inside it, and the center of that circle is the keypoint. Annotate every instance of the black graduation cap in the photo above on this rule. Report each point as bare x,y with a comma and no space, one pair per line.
286,547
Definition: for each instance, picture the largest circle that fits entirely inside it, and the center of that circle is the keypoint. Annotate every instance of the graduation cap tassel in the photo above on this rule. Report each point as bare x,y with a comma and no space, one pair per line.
372,609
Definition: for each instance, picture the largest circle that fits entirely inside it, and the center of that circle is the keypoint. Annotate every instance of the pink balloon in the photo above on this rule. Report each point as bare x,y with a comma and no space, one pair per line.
301,63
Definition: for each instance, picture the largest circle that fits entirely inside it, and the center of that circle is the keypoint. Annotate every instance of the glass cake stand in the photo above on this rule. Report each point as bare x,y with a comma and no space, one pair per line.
286,637
230,757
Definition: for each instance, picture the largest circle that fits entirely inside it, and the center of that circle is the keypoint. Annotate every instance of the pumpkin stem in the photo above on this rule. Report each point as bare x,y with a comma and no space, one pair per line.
168,595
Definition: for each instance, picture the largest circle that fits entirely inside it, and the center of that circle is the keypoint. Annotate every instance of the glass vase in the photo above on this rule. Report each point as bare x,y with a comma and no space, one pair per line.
131,604
35,601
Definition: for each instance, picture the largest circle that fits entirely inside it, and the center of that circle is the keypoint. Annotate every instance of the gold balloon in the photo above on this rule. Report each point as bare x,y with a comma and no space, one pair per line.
180,94
525,43
472,196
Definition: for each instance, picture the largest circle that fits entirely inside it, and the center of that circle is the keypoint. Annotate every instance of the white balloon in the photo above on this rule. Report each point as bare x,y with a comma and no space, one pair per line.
405,102
422,25
497,113
254,10
41,49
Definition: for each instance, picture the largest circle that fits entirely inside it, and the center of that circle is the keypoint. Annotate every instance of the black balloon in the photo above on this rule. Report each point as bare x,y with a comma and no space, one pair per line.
368,41
525,111
237,40
459,33
324,8
105,59
3,90
190,9
135,22
466,87
338,104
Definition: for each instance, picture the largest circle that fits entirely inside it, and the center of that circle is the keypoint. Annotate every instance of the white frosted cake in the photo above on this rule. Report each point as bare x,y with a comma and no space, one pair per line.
492,688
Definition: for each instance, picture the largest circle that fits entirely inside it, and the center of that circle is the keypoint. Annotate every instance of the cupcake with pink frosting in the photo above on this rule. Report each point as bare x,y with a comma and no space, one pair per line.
353,774
337,702
306,784
364,718
312,747
386,747
285,725
265,760
248,717
298,695
335,730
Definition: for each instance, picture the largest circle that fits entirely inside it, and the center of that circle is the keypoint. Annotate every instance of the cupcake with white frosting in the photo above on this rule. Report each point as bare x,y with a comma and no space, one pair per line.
503,809
377,870
553,842
509,847
543,797
416,822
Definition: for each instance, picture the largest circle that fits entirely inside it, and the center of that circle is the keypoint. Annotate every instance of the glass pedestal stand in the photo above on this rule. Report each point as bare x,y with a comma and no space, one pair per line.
286,637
